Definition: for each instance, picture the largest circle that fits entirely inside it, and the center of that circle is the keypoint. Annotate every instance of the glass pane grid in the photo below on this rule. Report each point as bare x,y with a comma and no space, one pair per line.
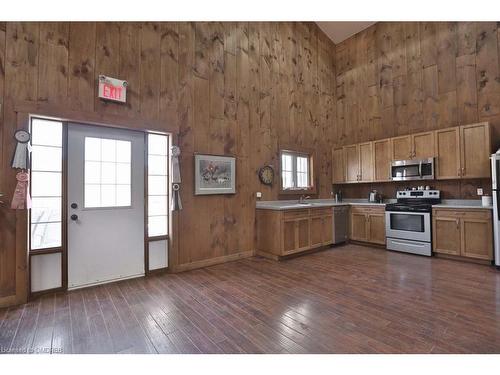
158,197
46,184
108,170
294,171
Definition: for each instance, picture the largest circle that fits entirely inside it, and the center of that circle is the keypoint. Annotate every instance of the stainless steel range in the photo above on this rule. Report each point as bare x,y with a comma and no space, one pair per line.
408,222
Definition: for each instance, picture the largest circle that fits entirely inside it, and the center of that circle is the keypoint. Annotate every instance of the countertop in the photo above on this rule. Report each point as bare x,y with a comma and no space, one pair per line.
314,203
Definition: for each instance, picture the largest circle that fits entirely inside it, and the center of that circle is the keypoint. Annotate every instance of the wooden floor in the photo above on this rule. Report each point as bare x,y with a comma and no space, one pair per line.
349,299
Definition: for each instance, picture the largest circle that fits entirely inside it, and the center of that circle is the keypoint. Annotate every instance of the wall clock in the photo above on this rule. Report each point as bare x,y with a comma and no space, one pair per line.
266,175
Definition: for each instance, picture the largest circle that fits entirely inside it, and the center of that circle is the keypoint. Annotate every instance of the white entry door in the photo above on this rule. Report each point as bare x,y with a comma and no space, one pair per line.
105,205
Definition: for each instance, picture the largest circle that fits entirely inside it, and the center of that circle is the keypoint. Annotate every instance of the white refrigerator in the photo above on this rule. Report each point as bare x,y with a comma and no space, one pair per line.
495,181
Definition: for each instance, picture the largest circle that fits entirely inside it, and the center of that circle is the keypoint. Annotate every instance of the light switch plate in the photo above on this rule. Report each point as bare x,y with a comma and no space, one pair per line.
258,194
479,191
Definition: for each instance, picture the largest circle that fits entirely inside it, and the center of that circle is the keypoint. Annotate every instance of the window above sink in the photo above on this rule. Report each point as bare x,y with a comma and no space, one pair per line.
297,171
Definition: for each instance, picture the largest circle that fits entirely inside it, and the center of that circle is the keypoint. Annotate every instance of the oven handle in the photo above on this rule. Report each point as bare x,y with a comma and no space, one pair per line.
420,168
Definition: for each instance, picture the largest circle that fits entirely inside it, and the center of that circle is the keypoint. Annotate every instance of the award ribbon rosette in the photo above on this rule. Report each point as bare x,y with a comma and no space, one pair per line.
176,179
21,198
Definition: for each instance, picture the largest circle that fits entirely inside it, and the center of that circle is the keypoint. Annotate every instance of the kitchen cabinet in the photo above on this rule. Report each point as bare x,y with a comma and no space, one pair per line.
459,152
422,145
358,162
401,148
366,162
368,224
285,232
338,175
463,151
463,232
382,157
351,163
447,145
475,147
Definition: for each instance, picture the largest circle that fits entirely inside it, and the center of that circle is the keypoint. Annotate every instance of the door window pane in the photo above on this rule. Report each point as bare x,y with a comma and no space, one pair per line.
45,209
157,225
45,184
46,132
45,235
108,167
46,158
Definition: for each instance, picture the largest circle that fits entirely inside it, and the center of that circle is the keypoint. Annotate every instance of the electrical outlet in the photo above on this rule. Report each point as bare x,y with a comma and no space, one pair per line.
258,194
479,191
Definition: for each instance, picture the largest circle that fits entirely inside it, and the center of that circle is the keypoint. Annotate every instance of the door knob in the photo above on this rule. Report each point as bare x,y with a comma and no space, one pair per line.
74,217
74,205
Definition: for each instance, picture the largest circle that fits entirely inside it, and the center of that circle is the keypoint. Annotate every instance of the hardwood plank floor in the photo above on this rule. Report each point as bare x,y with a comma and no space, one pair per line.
348,299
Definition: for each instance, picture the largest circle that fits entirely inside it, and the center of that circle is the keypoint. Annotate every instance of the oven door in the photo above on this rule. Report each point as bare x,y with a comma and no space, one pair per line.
414,226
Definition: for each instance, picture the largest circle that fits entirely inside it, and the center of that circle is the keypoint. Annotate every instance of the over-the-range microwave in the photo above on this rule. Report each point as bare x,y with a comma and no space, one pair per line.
415,169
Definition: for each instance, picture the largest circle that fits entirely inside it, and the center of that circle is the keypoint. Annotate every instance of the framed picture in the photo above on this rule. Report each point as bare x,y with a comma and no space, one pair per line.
214,174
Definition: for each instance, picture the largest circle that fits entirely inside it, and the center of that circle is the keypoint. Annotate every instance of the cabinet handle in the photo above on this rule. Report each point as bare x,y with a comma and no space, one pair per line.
458,223
463,171
459,171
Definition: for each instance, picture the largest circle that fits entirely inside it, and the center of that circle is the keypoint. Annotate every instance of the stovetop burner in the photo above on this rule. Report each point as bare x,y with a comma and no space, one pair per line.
409,207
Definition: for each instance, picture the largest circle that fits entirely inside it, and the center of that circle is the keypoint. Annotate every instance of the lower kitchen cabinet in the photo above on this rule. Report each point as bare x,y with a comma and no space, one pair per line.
368,224
281,233
465,233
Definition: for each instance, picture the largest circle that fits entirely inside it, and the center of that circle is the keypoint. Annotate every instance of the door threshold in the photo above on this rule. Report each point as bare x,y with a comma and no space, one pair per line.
106,281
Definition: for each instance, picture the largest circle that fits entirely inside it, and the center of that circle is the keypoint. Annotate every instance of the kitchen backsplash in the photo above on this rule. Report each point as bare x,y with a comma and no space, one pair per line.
450,189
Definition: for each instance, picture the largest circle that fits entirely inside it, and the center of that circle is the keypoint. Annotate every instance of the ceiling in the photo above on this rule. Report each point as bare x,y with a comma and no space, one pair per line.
338,31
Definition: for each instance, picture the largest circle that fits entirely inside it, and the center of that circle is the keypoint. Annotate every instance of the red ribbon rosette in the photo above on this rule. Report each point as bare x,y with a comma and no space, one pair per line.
21,198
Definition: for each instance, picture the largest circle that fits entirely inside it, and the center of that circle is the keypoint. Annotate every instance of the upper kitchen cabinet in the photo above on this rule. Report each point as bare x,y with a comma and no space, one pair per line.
338,175
402,148
366,162
358,162
382,156
475,150
463,151
447,144
351,163
422,145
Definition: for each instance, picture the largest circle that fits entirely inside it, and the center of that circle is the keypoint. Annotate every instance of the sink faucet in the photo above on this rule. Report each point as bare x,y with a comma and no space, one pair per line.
303,198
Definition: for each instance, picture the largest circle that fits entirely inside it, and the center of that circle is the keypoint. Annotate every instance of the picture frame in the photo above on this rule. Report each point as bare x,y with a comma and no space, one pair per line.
214,174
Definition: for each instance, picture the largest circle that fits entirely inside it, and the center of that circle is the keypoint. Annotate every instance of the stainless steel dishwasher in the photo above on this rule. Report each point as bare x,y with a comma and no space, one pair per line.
340,225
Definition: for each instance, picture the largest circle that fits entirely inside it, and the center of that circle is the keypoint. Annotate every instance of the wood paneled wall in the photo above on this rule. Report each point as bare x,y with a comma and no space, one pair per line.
223,88
396,78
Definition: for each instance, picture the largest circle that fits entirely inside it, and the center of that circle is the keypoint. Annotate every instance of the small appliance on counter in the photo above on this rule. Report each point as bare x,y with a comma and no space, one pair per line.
408,222
374,197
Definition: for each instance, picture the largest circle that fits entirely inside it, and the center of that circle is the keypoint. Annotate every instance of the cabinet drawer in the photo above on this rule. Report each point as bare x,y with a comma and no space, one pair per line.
321,211
466,214
368,209
296,214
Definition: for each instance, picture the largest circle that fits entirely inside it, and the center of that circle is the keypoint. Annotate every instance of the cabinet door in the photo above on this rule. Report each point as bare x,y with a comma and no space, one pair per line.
446,235
338,165
376,225
351,159
401,148
327,230
423,145
382,160
477,239
289,238
316,231
303,234
447,145
366,161
359,230
476,148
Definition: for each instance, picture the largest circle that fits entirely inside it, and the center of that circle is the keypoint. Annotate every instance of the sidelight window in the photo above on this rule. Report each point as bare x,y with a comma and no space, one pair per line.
46,183
158,202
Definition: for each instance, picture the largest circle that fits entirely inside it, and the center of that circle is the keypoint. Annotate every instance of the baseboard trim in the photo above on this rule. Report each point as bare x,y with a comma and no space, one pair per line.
211,261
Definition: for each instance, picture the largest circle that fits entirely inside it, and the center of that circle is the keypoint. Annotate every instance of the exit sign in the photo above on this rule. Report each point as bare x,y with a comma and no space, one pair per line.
112,89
